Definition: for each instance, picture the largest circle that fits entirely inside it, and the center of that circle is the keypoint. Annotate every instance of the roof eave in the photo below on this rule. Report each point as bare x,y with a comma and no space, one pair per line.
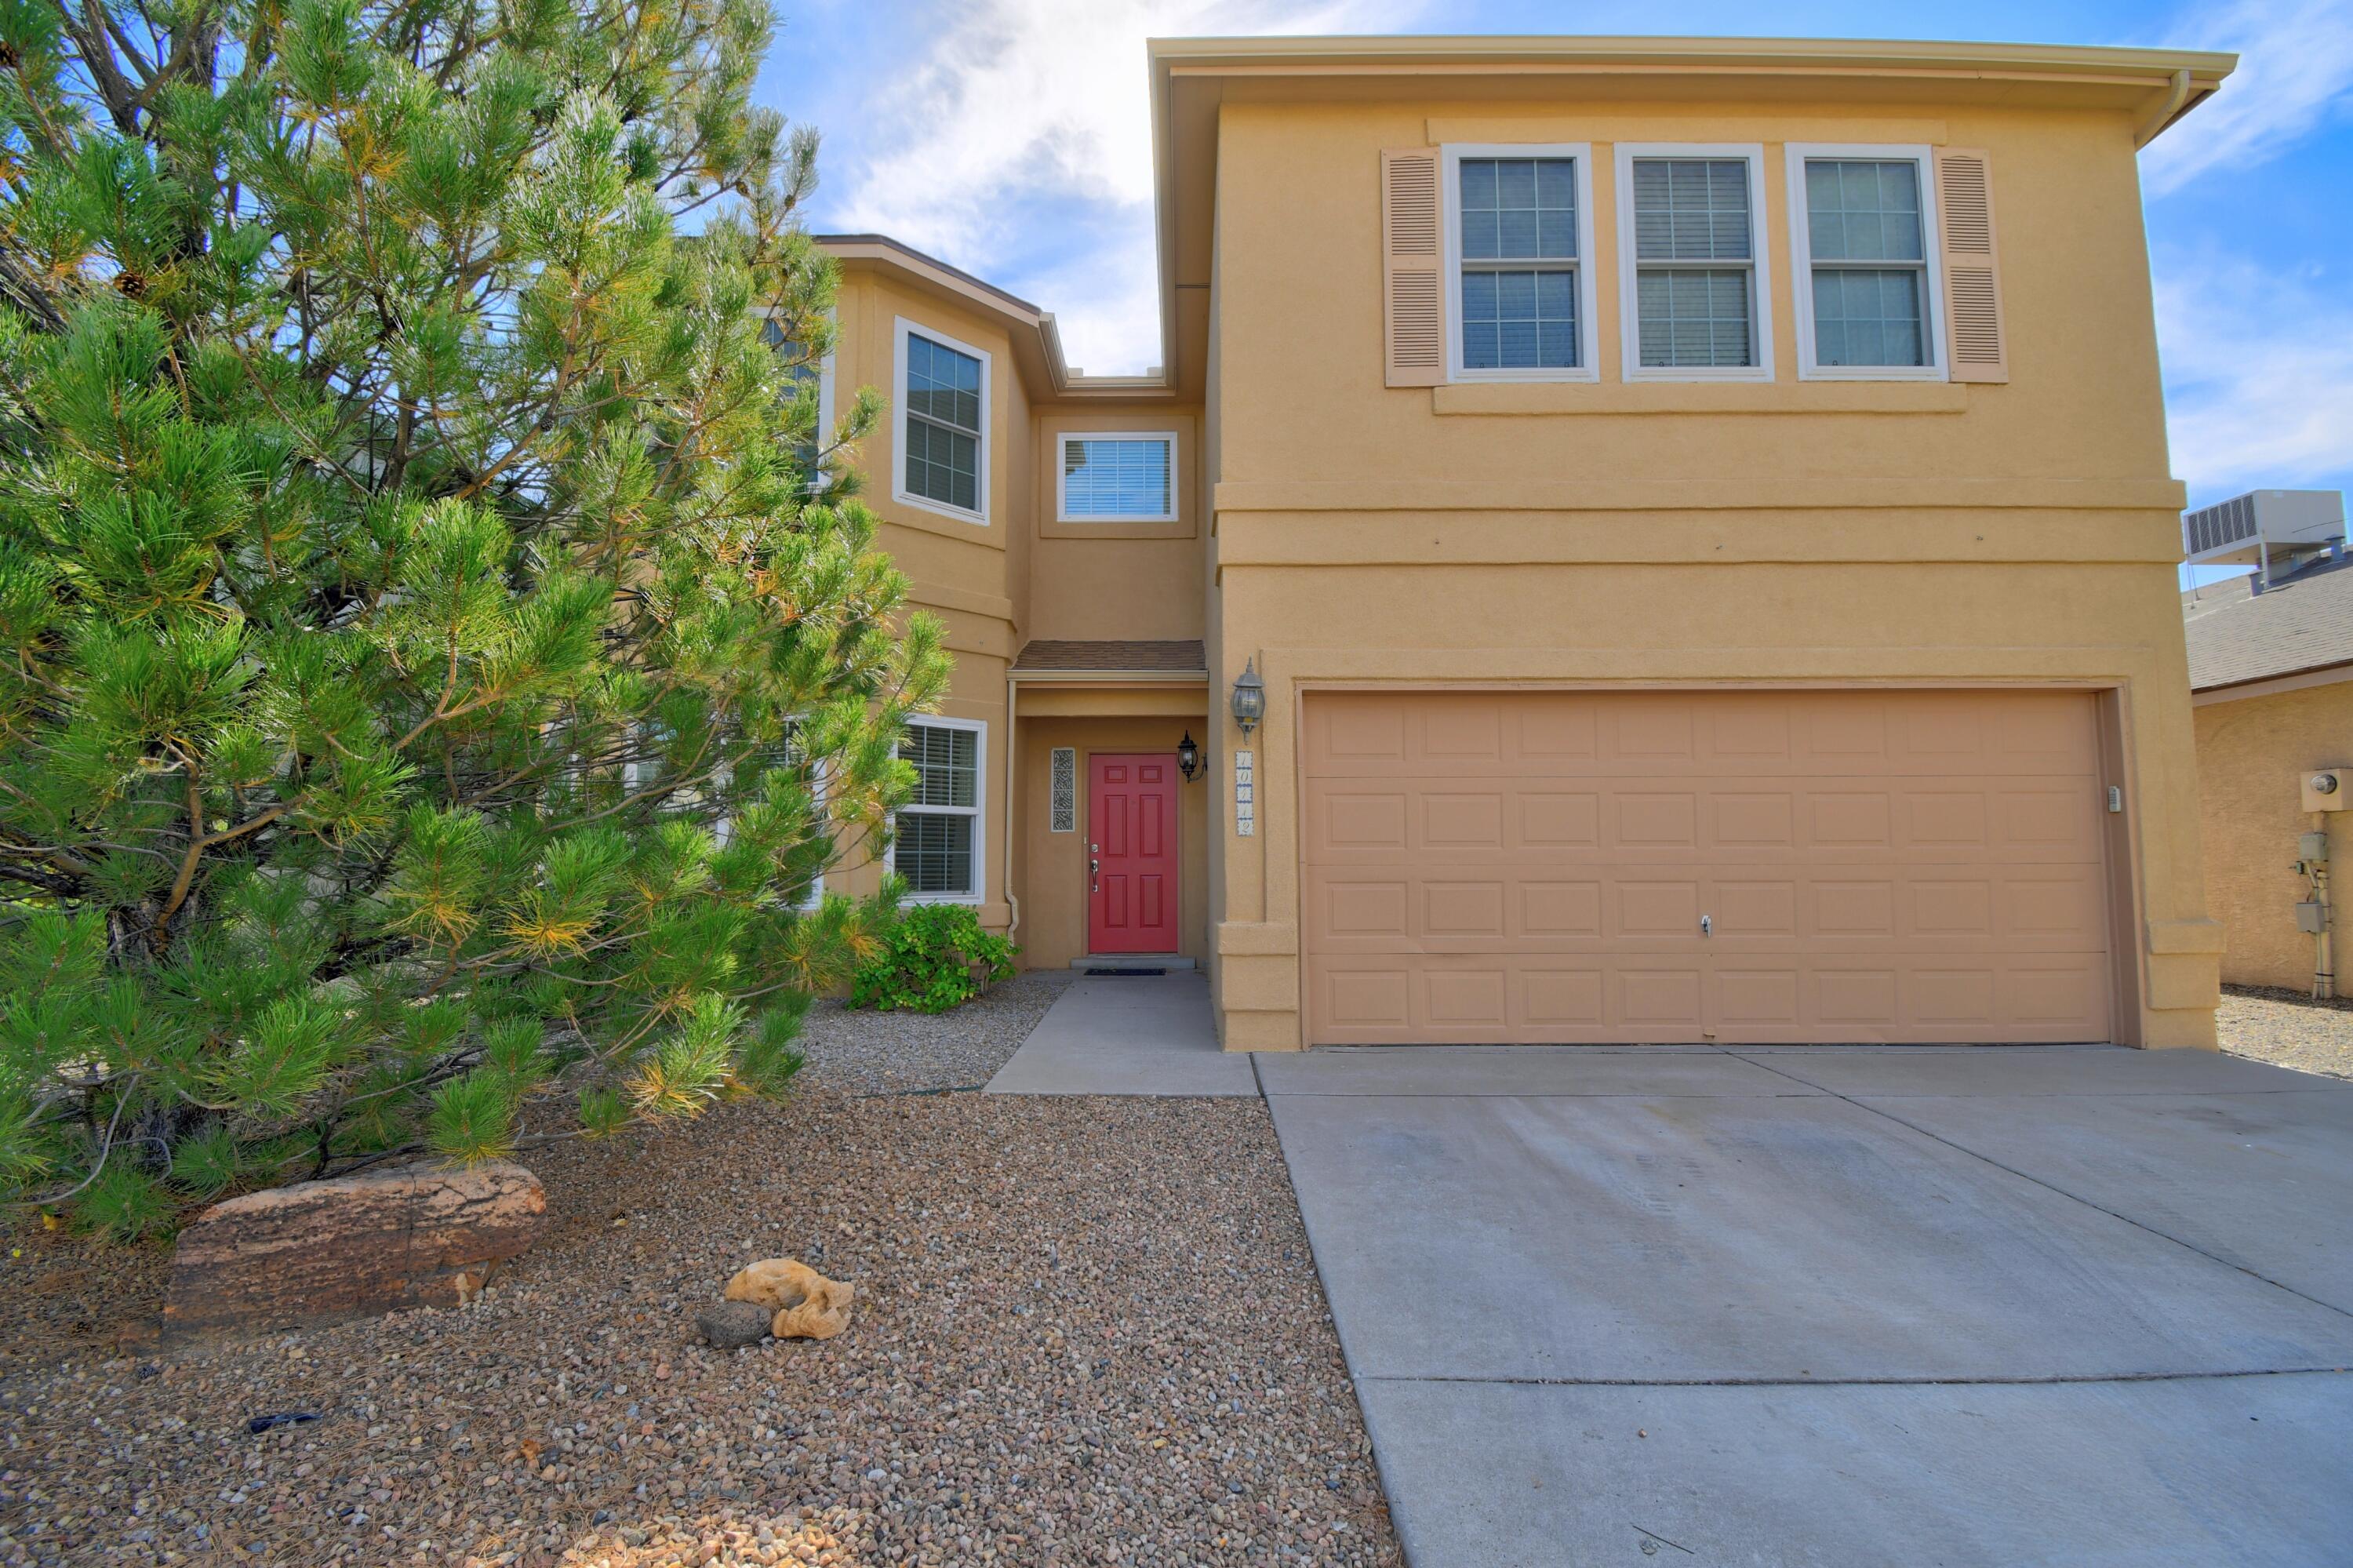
1505,53
1037,338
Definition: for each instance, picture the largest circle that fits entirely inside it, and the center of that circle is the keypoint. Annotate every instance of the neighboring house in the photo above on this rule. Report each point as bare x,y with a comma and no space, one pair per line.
1699,510
2272,678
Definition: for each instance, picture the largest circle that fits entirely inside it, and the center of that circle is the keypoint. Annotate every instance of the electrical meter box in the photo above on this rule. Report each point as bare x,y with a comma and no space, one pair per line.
2311,919
2328,790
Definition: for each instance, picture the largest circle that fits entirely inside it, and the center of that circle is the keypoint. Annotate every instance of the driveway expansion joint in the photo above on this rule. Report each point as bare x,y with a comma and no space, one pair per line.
2053,1187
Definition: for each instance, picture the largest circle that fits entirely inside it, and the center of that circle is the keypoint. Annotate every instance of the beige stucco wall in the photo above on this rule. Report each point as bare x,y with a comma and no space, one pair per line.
1023,575
1116,579
1666,534
2253,753
970,575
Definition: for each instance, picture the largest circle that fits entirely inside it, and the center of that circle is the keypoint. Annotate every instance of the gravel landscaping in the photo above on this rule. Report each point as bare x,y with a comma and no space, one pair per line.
1087,1331
892,1052
2288,1029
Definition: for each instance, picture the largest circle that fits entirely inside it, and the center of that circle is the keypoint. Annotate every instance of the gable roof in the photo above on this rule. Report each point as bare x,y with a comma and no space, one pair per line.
2301,624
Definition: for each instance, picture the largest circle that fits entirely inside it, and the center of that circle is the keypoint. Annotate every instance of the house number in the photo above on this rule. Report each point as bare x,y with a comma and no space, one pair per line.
1245,793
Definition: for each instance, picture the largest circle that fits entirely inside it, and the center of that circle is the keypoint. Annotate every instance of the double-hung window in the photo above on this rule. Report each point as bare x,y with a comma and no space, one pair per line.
803,369
1695,290
943,401
936,835
1119,476
788,753
1860,223
1519,230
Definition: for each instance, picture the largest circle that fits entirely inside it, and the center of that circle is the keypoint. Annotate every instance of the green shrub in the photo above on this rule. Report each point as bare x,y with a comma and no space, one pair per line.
927,959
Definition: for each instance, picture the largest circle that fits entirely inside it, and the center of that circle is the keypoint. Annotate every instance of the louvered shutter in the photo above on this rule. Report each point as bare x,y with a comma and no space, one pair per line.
1410,268
1976,347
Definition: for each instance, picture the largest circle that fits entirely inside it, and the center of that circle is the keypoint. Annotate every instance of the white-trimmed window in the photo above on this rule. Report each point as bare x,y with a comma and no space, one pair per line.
941,396
936,837
1862,222
801,370
1117,476
1695,298
1519,234
787,752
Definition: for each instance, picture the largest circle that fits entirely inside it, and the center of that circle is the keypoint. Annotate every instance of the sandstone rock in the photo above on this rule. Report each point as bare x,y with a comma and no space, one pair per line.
322,1252
732,1324
807,1305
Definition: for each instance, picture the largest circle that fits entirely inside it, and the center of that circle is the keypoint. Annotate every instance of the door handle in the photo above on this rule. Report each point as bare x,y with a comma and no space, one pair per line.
1093,865
1707,924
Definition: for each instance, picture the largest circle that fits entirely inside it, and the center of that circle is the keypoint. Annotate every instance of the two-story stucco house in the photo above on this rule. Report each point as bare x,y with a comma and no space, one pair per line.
1699,512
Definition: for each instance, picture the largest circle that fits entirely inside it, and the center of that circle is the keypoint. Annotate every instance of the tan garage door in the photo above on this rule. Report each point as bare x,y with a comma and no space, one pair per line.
1528,866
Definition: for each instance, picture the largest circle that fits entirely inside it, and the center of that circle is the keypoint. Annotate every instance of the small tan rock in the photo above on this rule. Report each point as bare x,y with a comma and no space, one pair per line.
808,1305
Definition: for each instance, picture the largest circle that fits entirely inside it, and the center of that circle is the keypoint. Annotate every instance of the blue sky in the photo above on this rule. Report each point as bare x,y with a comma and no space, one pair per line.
1011,138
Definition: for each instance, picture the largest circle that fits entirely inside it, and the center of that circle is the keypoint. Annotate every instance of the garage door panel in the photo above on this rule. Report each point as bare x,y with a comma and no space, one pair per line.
1880,866
1751,997
1465,908
1460,819
1467,732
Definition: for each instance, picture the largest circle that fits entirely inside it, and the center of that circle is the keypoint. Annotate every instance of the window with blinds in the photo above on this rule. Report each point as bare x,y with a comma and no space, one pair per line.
1120,477
787,753
935,836
942,432
1696,283
1861,230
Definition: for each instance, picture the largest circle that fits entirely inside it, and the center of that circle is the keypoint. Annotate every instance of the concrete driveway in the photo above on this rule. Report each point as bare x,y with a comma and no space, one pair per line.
2066,1305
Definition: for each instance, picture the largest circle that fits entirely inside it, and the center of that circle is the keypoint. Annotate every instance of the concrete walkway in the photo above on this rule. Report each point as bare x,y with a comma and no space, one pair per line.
1843,1306
1127,1034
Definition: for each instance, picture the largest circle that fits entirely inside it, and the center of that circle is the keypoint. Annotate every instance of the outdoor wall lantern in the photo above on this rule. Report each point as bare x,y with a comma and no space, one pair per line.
1249,698
1188,758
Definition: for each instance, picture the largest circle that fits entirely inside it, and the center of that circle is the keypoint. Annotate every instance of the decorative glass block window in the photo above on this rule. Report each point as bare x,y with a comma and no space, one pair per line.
1696,287
942,435
1062,804
1861,232
1120,477
936,835
1518,272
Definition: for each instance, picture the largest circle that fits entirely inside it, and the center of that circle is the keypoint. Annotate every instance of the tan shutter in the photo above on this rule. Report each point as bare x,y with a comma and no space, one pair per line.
1410,267
1975,349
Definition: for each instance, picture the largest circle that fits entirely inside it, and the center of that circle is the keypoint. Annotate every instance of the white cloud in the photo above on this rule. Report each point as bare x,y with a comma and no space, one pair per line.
2295,73
2258,371
1017,108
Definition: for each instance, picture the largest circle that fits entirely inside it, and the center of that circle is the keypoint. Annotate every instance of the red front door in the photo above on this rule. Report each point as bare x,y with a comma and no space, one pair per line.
1131,853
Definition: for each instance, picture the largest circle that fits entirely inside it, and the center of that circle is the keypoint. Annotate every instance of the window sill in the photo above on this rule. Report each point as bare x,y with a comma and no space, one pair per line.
939,508
1126,529
1701,397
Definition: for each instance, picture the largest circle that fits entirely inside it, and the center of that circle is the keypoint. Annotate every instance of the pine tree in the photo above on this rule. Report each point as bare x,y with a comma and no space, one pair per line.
443,651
